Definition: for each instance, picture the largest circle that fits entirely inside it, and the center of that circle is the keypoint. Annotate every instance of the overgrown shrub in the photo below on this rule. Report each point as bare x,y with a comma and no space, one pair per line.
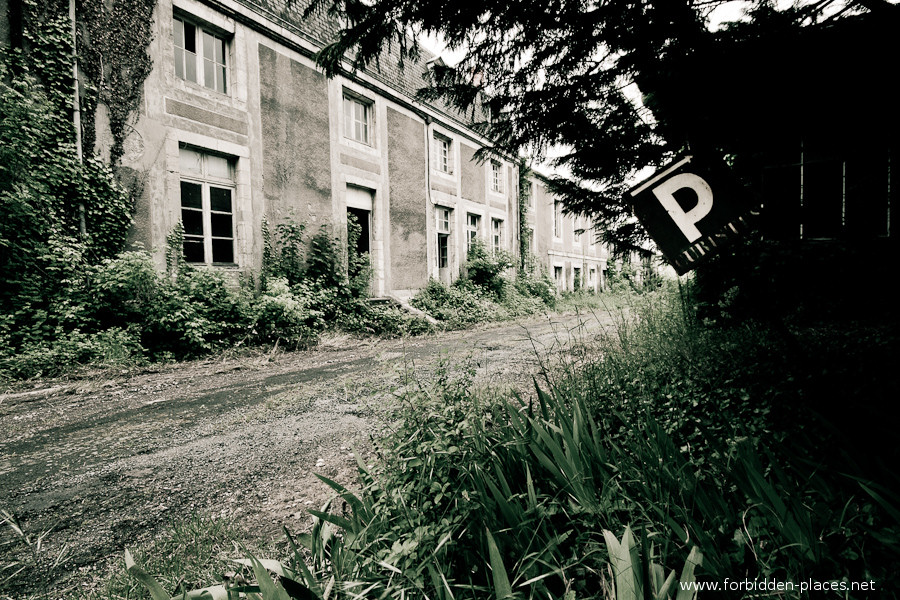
533,281
282,314
459,305
283,252
485,269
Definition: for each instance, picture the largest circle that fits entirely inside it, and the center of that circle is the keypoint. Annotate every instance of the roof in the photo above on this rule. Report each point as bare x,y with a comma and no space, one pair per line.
320,29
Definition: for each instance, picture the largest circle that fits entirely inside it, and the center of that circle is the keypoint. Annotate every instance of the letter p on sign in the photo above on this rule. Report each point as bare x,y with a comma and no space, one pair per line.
676,208
686,221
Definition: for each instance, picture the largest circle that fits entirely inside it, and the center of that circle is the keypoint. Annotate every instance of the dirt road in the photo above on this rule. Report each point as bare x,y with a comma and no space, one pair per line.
106,462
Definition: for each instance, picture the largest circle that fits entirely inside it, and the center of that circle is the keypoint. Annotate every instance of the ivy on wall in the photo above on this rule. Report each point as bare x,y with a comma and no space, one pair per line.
113,36
525,251
44,186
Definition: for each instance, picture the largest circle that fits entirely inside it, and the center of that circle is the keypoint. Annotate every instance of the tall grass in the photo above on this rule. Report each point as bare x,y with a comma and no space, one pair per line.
673,455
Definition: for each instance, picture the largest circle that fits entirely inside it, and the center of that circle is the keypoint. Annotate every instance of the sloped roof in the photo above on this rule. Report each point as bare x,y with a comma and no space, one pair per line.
320,29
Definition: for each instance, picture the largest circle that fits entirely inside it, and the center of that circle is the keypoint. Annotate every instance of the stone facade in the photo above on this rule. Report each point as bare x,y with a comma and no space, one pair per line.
237,125
567,246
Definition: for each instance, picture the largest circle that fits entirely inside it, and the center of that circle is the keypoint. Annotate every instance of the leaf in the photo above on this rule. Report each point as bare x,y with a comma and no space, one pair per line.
156,591
694,559
620,557
341,522
272,565
216,592
498,571
289,578
269,589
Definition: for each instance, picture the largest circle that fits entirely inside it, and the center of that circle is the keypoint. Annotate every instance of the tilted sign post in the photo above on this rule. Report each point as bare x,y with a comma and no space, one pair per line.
691,211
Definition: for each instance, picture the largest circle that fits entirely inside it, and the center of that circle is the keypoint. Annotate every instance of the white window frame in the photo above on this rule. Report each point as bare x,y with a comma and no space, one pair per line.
497,177
443,242
497,236
473,231
182,57
443,154
206,180
443,218
358,114
557,219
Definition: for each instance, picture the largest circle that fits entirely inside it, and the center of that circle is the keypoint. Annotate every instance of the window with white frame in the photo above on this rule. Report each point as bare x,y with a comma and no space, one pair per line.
443,236
443,154
207,207
557,219
473,230
200,55
496,177
358,119
497,234
443,220
443,251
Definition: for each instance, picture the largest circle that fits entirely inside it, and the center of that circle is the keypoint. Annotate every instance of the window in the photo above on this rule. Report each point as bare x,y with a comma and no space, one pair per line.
443,220
496,234
443,239
558,277
578,231
496,177
592,276
473,225
443,251
357,119
557,219
576,279
443,154
200,55
207,207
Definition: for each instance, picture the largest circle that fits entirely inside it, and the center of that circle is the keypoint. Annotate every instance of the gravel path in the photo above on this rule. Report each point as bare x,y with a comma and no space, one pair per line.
109,461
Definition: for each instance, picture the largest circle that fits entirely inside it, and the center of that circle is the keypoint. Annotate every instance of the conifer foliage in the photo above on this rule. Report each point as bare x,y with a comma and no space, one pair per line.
615,85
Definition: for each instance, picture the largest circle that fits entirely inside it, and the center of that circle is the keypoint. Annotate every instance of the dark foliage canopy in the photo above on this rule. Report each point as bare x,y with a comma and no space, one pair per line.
563,75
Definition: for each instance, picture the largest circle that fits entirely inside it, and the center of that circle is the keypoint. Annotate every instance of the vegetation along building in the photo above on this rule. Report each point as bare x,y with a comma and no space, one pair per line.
237,125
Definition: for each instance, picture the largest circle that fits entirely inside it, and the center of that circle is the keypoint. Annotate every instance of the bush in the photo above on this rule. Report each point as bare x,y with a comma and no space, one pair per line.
283,314
537,284
485,270
68,350
459,305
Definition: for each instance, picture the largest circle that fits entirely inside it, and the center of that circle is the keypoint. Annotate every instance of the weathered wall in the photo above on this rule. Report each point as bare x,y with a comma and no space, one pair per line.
472,175
406,170
296,155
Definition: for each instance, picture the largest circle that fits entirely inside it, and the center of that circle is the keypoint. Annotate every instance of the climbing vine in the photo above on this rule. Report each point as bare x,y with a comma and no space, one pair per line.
524,201
44,186
112,45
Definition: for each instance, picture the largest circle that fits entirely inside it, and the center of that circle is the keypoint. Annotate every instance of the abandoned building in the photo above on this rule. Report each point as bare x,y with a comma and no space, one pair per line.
237,125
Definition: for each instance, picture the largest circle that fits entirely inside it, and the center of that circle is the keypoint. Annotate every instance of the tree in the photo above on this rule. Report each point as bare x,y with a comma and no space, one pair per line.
565,74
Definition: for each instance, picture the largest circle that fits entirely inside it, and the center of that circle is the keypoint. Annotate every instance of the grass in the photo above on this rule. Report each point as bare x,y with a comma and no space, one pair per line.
664,449
192,553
